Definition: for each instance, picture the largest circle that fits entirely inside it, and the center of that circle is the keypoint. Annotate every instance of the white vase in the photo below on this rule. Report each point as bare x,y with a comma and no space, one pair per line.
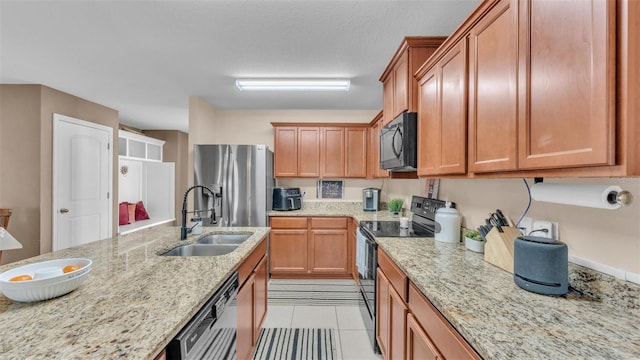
474,245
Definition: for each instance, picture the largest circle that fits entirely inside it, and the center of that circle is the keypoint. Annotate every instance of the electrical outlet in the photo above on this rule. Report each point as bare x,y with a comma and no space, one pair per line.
526,225
539,226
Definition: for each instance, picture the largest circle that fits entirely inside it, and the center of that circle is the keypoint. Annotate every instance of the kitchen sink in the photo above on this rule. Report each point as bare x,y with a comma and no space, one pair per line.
202,250
235,239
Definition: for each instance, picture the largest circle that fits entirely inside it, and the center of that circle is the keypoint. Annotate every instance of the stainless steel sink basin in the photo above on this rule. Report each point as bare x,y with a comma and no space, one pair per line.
202,250
236,239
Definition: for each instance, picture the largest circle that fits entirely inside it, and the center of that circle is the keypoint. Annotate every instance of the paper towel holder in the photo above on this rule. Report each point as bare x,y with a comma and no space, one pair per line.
622,198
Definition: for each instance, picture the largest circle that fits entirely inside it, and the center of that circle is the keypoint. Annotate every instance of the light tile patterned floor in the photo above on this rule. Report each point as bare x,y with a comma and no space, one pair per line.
353,341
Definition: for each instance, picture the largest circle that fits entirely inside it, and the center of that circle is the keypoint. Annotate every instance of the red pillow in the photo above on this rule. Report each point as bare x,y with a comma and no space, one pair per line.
141,212
124,213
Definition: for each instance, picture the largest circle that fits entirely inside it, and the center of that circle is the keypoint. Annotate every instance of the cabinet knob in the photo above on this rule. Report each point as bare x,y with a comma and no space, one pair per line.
64,211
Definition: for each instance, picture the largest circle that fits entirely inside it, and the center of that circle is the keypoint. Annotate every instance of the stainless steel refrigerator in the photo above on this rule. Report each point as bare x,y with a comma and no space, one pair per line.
241,178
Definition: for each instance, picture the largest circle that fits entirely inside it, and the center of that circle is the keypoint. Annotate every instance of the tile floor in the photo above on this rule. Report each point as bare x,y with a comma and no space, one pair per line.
353,343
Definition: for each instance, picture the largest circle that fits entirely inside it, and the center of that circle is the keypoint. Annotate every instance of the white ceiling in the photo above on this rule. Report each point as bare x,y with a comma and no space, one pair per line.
145,58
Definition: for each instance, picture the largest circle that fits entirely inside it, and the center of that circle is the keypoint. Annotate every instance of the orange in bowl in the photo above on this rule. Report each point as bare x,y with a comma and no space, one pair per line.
21,278
70,268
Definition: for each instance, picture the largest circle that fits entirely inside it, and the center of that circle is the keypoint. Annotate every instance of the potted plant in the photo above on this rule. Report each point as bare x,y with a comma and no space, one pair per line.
474,241
395,206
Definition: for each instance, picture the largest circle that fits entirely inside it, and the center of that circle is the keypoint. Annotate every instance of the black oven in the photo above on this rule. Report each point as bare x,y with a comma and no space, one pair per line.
398,143
422,225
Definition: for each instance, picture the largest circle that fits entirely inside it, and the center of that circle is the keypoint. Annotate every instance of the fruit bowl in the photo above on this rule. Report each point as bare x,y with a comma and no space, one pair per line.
49,279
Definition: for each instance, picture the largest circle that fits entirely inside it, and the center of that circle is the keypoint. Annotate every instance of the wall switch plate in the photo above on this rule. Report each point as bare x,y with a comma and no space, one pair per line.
540,225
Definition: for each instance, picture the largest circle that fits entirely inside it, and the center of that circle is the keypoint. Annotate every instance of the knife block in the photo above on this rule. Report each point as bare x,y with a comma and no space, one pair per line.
499,247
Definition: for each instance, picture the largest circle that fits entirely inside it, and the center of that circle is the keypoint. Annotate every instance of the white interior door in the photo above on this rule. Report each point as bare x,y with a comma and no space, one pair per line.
82,173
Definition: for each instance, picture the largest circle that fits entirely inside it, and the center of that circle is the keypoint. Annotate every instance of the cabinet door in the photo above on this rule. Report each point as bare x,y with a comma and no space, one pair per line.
332,158
397,325
260,297
419,346
387,99
492,90
566,83
453,111
328,251
355,164
401,85
245,333
288,251
308,152
286,152
382,313
428,124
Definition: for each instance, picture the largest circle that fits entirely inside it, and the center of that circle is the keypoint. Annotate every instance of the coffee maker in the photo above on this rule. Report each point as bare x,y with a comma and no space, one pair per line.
371,199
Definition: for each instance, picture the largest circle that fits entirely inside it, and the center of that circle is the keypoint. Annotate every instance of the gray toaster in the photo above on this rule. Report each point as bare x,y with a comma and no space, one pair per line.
541,265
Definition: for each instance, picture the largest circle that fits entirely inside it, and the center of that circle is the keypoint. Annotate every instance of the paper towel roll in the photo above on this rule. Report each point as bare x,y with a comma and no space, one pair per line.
572,194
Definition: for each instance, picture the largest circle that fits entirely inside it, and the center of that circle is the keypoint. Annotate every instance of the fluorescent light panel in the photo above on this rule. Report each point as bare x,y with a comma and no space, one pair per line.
294,84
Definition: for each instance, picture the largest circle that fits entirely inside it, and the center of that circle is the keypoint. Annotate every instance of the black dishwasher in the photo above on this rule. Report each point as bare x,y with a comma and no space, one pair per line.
211,334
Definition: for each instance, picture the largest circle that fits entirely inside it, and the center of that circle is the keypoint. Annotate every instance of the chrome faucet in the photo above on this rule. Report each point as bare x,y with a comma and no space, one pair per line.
184,230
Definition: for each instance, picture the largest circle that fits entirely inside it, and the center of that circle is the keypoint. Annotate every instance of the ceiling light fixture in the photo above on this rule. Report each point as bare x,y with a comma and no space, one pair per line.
294,84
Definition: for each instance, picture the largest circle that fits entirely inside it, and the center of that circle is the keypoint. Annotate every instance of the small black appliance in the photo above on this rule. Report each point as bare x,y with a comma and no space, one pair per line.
398,143
285,199
371,199
541,265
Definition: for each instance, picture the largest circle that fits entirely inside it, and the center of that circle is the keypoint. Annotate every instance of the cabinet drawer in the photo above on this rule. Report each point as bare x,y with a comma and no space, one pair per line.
396,277
288,222
246,268
329,223
448,341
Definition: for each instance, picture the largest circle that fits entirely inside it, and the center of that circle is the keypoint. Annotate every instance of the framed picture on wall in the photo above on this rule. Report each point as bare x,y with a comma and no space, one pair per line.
330,189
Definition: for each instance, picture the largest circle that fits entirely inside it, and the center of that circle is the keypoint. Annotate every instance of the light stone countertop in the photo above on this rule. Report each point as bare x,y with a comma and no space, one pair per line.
132,303
498,318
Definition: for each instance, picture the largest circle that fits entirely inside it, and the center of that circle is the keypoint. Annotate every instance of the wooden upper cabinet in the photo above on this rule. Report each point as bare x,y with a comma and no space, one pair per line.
308,152
333,150
566,83
317,150
428,124
442,113
492,120
286,148
399,87
355,163
374,170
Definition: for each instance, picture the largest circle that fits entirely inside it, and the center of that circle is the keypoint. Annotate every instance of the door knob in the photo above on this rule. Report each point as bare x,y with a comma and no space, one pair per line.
64,211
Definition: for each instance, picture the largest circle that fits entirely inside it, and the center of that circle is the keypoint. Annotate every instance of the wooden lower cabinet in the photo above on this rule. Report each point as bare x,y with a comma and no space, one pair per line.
251,301
315,246
419,346
382,313
408,326
245,331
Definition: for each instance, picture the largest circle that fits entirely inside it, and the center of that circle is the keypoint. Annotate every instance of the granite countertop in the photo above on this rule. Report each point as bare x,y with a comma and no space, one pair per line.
132,303
498,318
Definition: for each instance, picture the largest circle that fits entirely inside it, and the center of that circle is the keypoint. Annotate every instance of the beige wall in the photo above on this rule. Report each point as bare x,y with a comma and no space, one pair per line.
27,124
175,150
20,166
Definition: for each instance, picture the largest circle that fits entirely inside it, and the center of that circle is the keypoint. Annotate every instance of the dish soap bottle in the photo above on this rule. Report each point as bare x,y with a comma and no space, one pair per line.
448,221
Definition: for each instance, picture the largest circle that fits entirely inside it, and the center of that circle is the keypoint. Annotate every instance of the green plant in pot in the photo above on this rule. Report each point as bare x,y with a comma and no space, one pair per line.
395,205
474,241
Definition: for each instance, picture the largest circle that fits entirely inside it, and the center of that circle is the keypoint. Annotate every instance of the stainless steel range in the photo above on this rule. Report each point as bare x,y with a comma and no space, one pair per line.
422,225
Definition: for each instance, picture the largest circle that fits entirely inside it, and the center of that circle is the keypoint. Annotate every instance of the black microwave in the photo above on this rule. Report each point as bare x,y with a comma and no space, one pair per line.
398,143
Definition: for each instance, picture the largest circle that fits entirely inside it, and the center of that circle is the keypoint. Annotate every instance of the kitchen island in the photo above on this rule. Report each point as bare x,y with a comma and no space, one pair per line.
132,304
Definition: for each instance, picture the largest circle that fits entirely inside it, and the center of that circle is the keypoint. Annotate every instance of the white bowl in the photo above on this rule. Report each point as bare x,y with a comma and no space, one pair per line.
45,284
474,245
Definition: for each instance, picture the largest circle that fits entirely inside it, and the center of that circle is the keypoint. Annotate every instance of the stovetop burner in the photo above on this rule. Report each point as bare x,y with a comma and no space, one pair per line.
393,229
423,224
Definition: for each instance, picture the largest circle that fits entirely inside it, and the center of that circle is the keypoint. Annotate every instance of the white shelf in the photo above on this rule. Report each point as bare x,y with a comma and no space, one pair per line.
142,224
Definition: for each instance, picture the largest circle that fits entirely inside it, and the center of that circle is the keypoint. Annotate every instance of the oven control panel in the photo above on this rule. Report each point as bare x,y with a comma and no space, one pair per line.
426,207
